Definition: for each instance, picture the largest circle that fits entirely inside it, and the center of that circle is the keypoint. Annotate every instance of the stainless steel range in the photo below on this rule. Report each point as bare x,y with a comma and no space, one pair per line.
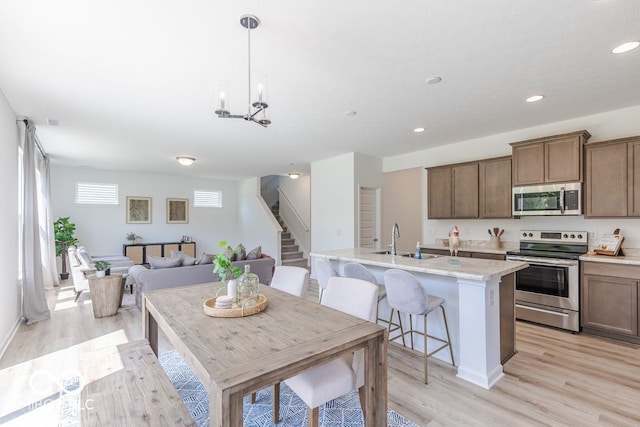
548,291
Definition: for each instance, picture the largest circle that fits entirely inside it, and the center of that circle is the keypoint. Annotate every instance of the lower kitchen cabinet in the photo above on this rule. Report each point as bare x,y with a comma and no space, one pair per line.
609,294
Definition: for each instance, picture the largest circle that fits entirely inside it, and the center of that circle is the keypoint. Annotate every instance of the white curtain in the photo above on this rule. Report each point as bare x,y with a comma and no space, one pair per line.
34,301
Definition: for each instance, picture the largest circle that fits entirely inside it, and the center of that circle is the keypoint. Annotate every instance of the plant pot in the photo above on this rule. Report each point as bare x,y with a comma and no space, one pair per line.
100,273
64,276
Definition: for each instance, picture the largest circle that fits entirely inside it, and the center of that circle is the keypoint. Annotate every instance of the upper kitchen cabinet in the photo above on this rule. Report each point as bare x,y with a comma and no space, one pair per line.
612,170
495,188
439,192
479,189
549,159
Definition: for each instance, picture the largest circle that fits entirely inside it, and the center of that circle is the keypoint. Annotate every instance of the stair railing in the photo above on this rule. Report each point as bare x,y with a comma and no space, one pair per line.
295,224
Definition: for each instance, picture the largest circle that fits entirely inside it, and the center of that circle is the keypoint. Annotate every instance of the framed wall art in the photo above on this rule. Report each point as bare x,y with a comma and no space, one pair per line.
138,210
177,211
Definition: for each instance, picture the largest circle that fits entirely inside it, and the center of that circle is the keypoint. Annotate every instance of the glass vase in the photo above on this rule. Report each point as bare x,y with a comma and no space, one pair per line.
248,288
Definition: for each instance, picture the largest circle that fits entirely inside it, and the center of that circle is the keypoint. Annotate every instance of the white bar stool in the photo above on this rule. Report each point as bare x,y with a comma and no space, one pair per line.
405,294
354,270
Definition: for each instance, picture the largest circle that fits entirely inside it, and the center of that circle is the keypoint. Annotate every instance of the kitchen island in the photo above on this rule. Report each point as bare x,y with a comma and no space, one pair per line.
472,289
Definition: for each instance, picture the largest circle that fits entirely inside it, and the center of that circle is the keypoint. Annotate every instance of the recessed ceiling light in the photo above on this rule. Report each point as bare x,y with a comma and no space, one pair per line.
535,98
434,80
350,113
418,130
626,47
186,161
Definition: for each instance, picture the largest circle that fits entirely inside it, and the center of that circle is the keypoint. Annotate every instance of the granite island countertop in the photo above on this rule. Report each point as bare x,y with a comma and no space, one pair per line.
458,267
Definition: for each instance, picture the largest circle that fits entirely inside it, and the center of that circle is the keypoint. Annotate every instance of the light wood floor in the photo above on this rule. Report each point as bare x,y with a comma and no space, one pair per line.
556,378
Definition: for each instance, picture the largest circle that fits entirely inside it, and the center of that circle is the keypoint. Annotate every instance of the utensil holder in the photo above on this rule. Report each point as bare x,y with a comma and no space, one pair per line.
495,242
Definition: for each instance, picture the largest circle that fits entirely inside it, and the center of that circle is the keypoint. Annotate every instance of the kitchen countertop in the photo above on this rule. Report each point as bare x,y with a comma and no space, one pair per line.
458,267
628,260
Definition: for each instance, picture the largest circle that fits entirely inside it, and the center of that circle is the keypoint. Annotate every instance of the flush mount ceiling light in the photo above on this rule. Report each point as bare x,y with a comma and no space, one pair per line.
186,161
294,175
418,130
626,47
249,22
433,80
535,98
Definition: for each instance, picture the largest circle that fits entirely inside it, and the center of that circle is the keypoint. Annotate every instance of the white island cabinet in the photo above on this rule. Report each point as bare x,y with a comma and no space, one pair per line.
471,288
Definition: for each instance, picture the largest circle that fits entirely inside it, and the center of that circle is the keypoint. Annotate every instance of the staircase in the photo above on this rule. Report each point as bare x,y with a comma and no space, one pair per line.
289,253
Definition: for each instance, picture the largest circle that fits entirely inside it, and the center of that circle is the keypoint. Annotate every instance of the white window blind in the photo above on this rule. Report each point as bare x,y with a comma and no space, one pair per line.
207,199
91,193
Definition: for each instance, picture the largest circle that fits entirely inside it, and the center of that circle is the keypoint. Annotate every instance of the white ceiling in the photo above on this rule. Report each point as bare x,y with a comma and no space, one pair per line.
134,82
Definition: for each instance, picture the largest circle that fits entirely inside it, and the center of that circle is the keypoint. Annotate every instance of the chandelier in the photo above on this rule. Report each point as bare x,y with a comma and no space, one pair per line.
249,22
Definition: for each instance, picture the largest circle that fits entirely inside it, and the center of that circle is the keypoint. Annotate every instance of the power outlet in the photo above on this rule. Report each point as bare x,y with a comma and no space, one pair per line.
432,230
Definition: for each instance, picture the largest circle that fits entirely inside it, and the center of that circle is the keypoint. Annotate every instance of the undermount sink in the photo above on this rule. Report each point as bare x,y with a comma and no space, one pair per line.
423,256
406,254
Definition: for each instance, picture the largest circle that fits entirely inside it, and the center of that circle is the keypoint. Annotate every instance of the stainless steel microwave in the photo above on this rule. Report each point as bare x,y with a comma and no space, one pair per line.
549,199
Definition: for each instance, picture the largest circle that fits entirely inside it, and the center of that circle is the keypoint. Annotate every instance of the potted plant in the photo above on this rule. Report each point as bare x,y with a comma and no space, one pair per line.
133,238
101,268
224,268
64,238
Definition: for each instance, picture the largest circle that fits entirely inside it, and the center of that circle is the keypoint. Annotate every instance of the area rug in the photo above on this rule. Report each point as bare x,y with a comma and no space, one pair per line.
341,412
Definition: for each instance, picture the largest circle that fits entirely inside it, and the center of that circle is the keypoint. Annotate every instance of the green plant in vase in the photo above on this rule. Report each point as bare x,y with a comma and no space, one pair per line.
101,267
224,267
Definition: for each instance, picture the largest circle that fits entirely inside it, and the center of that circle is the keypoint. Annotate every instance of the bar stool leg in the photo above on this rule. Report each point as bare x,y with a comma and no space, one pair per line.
426,377
411,329
446,327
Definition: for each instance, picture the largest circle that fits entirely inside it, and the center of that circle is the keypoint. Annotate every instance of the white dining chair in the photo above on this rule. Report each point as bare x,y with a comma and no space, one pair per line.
323,383
324,270
290,279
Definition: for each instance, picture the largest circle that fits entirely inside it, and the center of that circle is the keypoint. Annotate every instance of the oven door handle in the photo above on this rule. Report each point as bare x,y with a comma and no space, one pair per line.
538,261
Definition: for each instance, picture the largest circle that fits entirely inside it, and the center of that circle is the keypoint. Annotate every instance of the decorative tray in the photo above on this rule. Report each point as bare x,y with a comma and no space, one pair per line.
236,311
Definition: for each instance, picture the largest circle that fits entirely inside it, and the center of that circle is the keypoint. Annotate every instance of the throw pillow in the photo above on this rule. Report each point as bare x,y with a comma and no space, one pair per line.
241,252
255,253
188,260
230,254
204,259
160,262
176,254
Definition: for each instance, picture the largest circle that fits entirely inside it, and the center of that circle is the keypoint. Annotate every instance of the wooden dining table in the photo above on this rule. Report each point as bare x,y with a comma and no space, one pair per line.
233,357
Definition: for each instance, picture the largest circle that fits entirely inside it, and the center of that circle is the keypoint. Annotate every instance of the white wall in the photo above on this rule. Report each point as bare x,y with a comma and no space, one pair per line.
332,203
335,184
298,191
102,229
10,306
604,126
256,223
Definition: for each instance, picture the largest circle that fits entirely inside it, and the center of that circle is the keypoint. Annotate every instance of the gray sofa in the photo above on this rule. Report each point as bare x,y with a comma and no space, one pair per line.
145,279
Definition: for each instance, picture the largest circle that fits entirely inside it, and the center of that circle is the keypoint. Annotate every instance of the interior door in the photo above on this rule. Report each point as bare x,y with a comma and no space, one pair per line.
368,217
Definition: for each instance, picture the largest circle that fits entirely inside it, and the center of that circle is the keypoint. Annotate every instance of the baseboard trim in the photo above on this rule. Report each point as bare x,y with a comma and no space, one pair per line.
9,338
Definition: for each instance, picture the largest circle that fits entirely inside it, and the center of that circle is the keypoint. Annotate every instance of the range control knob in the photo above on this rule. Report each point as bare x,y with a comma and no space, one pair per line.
530,234
573,236
565,235
524,234
579,236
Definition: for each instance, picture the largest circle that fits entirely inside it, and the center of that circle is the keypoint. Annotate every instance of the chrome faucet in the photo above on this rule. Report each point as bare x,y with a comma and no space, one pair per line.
395,233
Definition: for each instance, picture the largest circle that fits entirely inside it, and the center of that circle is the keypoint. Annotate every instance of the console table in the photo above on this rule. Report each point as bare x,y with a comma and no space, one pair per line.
138,252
